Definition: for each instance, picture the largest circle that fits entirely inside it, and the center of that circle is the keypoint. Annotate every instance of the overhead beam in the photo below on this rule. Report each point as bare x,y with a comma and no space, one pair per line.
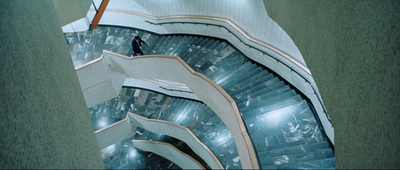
99,13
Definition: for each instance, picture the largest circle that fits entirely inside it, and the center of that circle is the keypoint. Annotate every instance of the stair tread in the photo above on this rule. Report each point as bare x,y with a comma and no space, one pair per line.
271,103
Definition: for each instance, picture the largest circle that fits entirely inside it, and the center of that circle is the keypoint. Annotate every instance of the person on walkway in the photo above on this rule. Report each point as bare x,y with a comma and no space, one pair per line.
136,46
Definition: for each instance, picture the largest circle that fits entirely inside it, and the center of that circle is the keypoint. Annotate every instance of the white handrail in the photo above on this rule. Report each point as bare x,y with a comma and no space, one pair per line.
197,146
243,143
185,161
233,25
244,34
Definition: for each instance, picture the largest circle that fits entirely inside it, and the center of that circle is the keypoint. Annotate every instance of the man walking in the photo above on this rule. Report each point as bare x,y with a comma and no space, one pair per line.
136,46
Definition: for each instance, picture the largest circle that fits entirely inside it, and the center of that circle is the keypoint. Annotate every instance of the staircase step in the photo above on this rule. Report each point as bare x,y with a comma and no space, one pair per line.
254,86
192,48
240,72
289,156
228,65
216,54
258,76
199,116
257,90
181,45
261,97
149,39
165,45
173,44
198,58
180,110
270,103
157,46
285,127
213,57
196,48
184,115
235,84
200,50
175,105
328,163
274,106
297,150
217,136
216,73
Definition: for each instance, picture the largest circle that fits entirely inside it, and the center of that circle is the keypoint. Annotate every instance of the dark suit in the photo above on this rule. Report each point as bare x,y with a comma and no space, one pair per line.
136,47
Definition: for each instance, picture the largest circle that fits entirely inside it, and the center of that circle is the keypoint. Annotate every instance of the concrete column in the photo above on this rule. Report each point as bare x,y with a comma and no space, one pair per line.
44,122
353,51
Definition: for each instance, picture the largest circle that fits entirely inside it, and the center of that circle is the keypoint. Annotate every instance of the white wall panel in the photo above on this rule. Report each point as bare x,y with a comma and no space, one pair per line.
114,133
250,15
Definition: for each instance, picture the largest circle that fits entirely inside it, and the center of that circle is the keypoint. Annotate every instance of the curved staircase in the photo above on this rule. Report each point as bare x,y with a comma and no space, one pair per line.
282,124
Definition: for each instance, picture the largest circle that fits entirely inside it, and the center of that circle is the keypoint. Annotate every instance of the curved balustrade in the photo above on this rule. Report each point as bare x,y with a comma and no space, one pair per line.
193,115
162,87
168,151
276,115
175,69
312,93
301,66
98,83
180,132
216,98
158,106
125,129
114,133
278,118
123,155
227,21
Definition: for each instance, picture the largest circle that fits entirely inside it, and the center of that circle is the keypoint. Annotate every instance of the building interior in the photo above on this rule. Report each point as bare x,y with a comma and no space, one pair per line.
221,85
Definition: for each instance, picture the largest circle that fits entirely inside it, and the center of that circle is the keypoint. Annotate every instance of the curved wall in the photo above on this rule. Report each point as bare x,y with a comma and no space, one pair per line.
44,121
352,48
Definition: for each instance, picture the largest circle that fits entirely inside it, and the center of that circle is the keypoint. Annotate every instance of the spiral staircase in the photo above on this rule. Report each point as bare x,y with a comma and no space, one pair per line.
281,122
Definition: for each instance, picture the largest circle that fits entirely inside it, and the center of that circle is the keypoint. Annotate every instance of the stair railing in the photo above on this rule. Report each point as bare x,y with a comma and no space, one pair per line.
190,138
243,132
244,143
305,69
243,34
